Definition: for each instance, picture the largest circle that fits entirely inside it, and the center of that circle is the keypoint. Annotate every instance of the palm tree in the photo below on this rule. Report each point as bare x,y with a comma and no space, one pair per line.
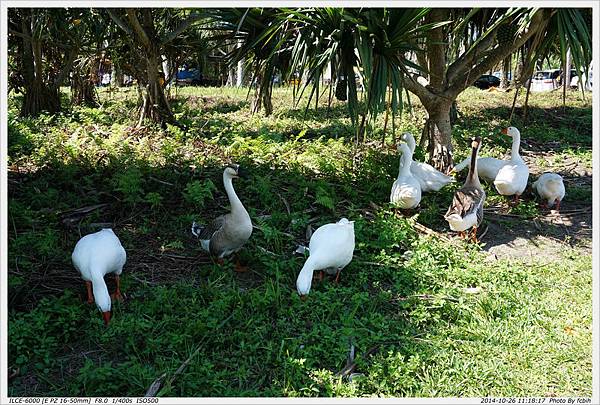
254,37
43,45
150,33
452,48
474,46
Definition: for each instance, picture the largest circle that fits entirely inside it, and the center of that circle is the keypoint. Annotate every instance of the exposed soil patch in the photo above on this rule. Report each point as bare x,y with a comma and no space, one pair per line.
545,237
540,239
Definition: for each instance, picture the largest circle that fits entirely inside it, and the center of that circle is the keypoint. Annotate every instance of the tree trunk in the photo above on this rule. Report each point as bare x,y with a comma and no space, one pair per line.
40,97
505,69
83,90
262,95
156,106
117,77
440,136
341,90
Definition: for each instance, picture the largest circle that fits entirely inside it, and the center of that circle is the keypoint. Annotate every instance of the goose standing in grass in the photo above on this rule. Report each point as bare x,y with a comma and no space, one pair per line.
331,248
428,177
227,233
466,210
406,190
488,167
94,256
551,189
512,177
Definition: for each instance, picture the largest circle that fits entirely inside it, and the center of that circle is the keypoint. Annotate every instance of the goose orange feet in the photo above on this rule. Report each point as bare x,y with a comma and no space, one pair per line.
474,235
239,268
117,294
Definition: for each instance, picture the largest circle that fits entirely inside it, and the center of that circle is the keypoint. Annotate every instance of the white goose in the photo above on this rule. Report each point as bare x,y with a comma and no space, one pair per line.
428,177
227,233
509,176
512,177
406,190
331,248
550,188
94,256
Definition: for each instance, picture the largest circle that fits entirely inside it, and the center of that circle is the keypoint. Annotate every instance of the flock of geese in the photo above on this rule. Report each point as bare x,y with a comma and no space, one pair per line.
331,246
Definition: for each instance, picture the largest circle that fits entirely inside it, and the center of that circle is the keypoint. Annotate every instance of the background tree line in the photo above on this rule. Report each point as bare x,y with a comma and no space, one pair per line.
433,54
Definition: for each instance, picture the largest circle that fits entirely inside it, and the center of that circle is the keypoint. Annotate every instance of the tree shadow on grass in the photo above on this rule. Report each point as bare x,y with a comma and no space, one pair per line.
554,128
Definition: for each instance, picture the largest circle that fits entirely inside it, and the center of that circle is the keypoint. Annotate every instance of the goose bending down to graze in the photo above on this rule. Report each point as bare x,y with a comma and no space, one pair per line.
466,210
428,177
94,256
551,189
406,190
227,233
330,249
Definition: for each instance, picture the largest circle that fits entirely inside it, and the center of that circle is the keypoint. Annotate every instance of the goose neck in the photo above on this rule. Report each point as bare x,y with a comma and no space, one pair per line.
234,200
516,144
410,141
101,295
473,177
405,163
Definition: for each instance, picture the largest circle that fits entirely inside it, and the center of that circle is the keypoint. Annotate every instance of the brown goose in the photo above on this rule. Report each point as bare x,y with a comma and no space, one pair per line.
227,233
466,210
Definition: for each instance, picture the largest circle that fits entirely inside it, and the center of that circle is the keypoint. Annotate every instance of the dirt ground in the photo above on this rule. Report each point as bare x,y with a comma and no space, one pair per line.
545,237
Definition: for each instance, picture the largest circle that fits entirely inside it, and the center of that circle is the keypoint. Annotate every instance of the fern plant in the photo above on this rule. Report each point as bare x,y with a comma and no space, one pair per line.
196,192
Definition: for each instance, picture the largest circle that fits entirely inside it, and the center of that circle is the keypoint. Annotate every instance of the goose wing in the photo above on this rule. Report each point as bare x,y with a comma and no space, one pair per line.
209,230
466,201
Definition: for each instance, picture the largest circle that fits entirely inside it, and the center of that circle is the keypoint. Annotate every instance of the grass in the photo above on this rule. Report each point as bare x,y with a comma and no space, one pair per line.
405,302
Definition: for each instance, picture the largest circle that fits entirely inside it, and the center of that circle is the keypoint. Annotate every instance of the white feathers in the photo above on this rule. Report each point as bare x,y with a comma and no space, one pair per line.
550,187
406,190
509,176
96,255
331,248
428,177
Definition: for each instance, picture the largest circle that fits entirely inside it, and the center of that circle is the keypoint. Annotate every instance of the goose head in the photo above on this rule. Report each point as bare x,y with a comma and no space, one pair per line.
103,302
410,140
235,171
512,132
303,284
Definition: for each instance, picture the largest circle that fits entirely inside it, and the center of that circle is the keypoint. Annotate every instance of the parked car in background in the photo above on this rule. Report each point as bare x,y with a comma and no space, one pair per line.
545,80
189,76
486,81
499,75
575,77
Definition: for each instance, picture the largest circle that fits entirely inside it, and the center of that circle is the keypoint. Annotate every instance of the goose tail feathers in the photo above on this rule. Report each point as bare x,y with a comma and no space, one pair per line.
197,229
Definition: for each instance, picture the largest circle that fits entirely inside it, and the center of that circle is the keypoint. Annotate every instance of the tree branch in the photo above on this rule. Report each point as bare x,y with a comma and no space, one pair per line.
463,64
185,24
411,84
118,21
20,34
137,28
495,55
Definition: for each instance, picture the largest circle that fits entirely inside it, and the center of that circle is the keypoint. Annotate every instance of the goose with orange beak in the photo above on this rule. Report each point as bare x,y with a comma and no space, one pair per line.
94,256
511,179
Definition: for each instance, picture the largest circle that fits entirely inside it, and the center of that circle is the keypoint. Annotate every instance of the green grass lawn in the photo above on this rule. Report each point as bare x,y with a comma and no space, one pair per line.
426,317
